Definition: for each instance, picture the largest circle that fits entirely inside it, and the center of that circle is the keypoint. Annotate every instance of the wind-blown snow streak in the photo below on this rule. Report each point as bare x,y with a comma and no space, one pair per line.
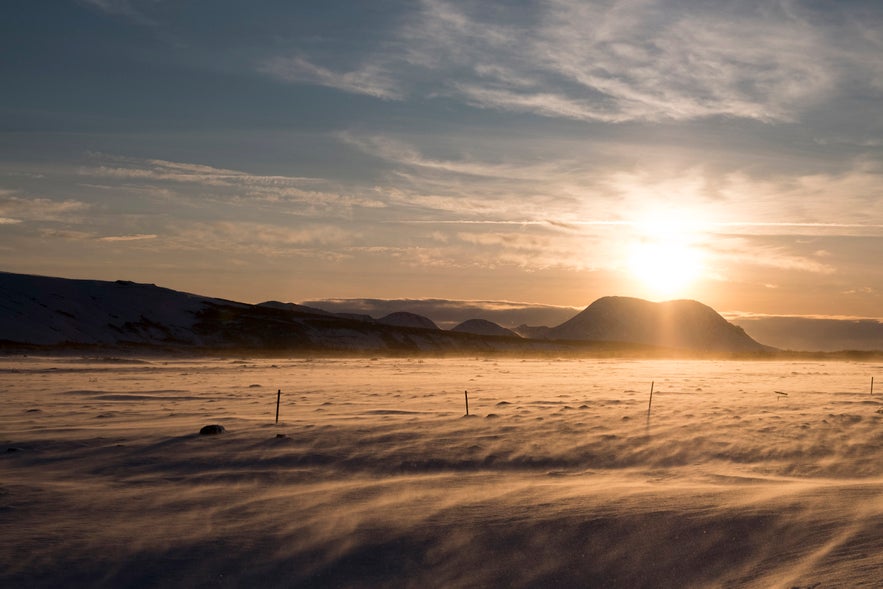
765,474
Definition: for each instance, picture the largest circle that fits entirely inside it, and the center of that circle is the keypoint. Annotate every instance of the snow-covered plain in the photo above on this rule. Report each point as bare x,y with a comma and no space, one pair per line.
374,478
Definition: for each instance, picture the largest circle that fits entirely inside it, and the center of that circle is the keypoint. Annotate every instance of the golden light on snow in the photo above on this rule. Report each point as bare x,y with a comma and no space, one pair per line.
564,476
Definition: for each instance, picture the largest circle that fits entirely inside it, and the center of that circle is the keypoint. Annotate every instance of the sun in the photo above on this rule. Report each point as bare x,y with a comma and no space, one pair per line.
665,268
664,253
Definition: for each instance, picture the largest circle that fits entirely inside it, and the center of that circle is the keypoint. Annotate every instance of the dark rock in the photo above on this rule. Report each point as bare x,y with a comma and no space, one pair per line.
212,430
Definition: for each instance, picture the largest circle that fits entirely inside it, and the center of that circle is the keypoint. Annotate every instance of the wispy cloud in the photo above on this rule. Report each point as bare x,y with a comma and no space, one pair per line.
612,62
155,169
25,208
404,154
136,237
125,8
732,252
314,195
560,191
251,237
372,79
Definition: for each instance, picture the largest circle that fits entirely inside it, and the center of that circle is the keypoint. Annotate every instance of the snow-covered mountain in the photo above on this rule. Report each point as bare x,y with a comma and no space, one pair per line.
60,312
50,311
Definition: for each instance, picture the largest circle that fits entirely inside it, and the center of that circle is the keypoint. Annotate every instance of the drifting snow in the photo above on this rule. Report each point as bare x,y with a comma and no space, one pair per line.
764,474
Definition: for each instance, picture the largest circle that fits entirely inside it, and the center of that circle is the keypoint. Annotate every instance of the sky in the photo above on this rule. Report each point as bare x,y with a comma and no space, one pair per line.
548,152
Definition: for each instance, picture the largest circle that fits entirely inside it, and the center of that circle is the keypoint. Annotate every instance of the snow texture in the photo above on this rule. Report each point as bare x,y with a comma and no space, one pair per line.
740,474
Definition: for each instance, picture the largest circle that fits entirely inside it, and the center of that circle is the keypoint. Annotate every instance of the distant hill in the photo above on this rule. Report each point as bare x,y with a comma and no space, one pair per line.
533,331
60,313
293,307
680,324
63,313
483,327
404,319
447,313
532,321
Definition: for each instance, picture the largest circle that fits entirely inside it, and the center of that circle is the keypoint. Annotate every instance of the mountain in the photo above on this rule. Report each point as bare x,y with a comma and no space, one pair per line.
483,327
405,319
679,324
446,313
59,313
533,331
50,311
815,333
293,307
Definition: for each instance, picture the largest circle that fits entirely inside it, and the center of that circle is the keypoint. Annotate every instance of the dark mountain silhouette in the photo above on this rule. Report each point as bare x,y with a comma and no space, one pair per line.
679,324
404,319
446,313
815,333
63,313
533,331
60,314
293,307
483,327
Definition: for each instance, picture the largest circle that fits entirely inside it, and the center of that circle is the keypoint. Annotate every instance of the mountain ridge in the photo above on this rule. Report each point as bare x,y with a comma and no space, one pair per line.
47,311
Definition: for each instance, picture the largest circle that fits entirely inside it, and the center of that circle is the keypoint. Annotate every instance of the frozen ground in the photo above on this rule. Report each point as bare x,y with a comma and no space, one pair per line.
374,478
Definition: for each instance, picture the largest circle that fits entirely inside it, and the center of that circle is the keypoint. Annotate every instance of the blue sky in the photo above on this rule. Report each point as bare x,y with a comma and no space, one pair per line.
547,152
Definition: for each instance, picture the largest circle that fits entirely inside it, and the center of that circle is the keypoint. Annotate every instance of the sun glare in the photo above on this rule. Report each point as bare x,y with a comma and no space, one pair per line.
665,260
665,270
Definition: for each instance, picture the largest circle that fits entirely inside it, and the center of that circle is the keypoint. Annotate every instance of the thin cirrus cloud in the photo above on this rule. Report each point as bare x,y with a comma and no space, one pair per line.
162,170
372,80
315,194
16,209
742,251
629,61
515,191
253,237
135,237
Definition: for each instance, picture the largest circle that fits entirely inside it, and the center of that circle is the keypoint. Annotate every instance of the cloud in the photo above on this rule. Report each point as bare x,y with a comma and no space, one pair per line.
262,238
371,80
746,251
125,8
136,237
82,235
570,193
163,170
23,208
314,195
402,153
66,234
638,60
538,250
